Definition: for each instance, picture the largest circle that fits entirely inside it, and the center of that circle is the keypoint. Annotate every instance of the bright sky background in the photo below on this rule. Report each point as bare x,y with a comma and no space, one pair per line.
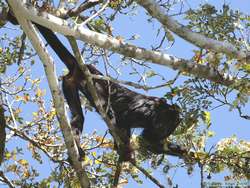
224,123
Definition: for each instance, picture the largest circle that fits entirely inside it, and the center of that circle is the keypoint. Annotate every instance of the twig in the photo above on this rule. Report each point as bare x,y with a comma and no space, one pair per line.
96,14
147,174
62,4
84,6
98,145
12,117
133,84
34,143
6,180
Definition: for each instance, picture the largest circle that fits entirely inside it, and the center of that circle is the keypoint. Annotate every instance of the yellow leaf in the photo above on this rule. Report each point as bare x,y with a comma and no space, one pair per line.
91,162
20,70
23,162
8,155
207,118
39,92
86,159
98,139
51,114
36,81
200,155
246,67
26,174
94,153
18,98
17,111
210,133
35,114
14,156
107,145
97,162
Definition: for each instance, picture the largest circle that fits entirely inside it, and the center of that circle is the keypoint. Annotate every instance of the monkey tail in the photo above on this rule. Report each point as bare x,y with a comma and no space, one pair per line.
66,57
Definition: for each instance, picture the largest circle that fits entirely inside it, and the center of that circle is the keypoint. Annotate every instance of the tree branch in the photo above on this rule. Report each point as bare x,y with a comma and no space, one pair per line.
128,50
58,99
195,38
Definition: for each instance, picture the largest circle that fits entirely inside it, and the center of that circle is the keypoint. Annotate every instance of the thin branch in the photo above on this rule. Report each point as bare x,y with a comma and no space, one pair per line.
98,145
6,180
12,117
247,117
155,181
84,6
61,4
132,84
23,136
96,14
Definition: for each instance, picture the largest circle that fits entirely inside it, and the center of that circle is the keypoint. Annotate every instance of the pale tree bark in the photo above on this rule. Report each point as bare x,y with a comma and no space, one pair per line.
103,41
195,38
58,99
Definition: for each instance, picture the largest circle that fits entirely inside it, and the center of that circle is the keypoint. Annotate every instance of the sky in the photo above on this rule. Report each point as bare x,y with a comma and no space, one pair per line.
224,123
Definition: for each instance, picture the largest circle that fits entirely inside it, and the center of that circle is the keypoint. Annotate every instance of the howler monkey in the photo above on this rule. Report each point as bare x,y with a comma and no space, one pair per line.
130,109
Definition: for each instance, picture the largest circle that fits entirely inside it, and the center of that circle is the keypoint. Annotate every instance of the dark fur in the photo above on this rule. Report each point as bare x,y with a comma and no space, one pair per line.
131,110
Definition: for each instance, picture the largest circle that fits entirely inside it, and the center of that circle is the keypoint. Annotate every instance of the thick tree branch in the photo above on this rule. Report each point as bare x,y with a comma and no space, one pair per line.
128,50
195,38
58,99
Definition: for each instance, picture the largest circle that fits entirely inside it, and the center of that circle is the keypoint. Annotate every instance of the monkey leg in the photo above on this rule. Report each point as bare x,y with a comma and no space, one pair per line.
71,94
125,151
153,141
